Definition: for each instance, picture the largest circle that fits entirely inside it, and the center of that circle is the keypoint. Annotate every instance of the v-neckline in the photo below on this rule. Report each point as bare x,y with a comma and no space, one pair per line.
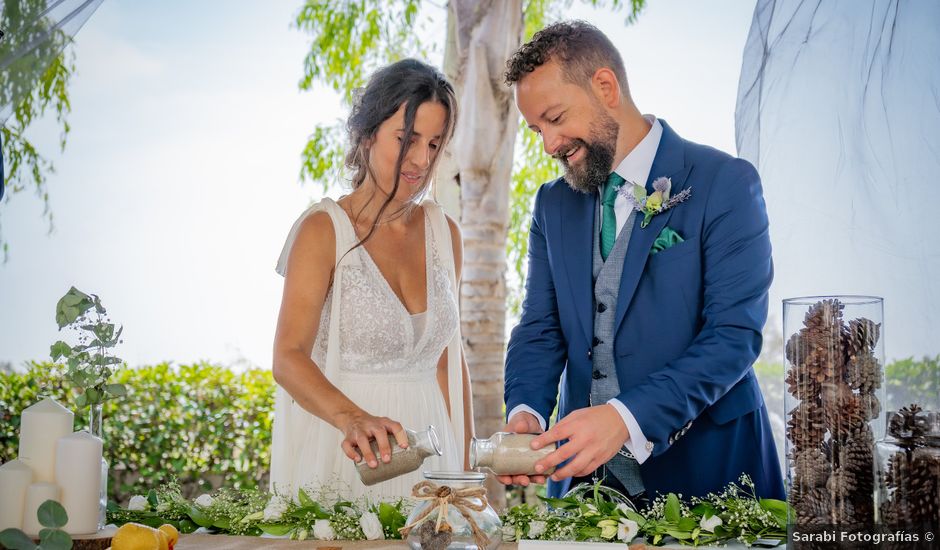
387,285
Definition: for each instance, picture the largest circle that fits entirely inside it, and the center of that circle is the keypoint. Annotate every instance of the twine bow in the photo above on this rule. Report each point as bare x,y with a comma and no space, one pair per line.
464,500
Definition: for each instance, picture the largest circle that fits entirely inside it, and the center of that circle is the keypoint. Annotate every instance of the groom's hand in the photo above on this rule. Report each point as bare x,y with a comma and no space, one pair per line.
594,435
522,423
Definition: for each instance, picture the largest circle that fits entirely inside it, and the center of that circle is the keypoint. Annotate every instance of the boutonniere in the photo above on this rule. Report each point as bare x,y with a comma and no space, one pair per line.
657,201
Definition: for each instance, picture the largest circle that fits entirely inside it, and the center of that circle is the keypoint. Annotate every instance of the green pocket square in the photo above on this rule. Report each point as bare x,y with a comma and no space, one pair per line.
667,238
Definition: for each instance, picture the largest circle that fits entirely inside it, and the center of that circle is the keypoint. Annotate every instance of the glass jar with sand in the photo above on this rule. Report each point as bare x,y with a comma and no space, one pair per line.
508,454
420,446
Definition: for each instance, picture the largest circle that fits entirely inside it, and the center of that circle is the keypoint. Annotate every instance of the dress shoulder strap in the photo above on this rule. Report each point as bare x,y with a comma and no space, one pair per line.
342,228
440,230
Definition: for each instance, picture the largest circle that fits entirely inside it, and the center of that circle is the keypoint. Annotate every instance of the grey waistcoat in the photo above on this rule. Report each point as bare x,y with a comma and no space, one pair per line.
604,383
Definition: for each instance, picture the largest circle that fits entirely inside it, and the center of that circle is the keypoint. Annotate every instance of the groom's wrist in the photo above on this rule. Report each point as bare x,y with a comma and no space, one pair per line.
525,408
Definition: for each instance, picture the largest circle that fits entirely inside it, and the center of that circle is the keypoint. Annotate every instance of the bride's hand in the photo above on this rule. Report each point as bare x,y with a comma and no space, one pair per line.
359,427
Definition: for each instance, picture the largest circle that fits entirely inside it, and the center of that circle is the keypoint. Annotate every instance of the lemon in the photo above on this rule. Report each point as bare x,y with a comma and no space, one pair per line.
134,536
164,539
171,534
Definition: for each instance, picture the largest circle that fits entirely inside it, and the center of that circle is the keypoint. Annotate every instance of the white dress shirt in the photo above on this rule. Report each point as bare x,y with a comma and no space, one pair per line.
634,168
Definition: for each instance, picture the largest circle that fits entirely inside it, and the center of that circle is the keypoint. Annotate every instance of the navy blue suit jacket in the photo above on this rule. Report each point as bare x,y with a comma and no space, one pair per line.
687,327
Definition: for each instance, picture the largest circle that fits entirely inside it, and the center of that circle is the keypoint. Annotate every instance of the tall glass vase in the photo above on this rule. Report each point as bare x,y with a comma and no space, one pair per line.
835,389
96,428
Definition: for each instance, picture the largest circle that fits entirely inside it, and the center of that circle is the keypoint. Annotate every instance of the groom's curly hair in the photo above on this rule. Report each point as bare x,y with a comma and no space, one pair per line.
579,47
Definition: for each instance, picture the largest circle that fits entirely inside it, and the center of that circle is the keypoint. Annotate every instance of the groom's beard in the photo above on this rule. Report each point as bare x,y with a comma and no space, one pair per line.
592,171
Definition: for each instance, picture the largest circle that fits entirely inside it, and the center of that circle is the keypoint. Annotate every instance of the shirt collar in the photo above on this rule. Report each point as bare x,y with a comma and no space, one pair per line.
636,166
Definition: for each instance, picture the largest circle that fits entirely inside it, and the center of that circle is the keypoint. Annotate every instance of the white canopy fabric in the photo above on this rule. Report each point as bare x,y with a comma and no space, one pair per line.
839,110
34,33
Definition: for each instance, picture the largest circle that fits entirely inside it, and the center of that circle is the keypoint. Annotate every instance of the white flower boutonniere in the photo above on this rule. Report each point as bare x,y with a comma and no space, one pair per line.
657,201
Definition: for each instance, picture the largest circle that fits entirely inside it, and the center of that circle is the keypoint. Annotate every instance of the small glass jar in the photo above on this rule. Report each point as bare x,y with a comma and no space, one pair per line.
421,445
508,454
462,491
907,496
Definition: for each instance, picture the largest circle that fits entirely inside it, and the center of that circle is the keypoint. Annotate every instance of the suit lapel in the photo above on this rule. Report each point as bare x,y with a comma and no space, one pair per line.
577,230
669,162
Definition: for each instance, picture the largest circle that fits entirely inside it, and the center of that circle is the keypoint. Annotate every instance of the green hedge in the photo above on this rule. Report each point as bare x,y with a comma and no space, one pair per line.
201,424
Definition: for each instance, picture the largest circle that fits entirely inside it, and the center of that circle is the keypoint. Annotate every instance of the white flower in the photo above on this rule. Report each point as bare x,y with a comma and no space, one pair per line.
138,503
710,523
204,500
627,529
371,526
609,528
509,533
624,508
275,508
591,510
322,530
536,528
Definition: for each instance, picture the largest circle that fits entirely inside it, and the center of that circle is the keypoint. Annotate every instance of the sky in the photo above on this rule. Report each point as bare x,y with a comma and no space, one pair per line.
180,181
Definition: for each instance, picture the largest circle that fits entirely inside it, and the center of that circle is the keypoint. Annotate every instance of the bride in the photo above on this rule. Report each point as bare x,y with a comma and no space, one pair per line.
367,339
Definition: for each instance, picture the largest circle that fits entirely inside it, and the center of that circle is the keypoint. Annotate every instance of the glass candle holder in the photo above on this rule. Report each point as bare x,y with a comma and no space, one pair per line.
835,387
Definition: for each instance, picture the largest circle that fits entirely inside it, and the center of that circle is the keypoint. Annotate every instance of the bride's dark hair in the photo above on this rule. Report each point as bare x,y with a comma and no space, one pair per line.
408,82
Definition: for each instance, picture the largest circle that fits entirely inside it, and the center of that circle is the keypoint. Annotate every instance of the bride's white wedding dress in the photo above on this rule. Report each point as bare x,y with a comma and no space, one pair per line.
380,356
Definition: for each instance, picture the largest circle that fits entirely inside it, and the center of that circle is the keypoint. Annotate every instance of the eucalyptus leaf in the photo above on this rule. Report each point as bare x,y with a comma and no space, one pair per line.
14,539
198,517
391,517
81,401
672,511
187,526
560,503
51,514
59,349
54,539
92,396
639,193
681,535
777,508
117,390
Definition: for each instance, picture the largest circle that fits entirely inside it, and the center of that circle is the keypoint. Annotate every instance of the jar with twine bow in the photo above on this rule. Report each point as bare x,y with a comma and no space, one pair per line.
452,513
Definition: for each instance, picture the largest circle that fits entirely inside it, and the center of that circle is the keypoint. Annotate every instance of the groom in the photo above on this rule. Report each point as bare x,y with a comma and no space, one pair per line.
649,321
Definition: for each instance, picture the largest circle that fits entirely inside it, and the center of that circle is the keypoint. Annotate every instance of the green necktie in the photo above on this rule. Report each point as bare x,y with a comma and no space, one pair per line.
608,216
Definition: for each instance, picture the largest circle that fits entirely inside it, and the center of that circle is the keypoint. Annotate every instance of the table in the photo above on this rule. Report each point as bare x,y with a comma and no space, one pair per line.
220,542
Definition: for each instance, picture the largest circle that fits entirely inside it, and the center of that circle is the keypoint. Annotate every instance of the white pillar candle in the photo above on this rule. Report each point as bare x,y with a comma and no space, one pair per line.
78,474
40,426
15,477
36,494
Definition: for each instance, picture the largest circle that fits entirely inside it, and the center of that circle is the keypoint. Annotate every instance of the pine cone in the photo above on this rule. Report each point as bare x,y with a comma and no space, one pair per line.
908,426
842,483
842,409
861,336
925,486
802,380
863,372
818,347
812,508
805,427
811,469
871,406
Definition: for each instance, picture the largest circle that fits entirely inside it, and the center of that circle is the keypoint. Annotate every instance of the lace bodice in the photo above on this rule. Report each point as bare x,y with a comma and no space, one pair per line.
377,334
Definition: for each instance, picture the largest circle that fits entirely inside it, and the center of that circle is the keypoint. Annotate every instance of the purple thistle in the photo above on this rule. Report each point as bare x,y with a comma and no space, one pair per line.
662,185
